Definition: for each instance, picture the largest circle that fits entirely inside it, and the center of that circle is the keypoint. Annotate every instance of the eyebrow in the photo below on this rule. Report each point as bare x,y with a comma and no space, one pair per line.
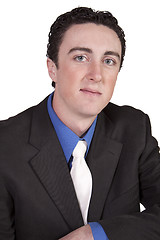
112,53
83,49
80,49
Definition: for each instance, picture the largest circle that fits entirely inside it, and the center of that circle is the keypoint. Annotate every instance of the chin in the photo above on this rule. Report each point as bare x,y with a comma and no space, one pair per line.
91,111
91,114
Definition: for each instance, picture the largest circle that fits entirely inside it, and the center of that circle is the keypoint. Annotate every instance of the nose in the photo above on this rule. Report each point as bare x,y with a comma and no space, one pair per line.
95,72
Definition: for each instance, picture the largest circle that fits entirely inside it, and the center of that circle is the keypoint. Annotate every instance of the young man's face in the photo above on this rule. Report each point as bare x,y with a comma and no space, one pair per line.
88,64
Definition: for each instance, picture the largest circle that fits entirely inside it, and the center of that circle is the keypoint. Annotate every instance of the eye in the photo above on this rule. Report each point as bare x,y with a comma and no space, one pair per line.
109,62
80,58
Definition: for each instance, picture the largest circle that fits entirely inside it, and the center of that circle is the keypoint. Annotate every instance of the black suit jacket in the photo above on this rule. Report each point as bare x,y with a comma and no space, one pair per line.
37,197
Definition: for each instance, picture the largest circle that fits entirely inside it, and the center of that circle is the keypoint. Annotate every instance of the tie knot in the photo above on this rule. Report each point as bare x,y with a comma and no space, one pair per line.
80,149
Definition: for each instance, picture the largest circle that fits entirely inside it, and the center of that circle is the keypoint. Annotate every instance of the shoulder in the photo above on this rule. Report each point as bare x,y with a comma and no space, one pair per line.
127,121
15,147
15,123
126,114
18,126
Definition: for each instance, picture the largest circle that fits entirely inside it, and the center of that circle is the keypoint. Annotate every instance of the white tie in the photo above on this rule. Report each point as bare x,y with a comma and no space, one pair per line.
82,178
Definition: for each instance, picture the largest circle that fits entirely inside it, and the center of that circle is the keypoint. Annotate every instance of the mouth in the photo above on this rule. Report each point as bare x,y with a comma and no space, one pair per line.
90,92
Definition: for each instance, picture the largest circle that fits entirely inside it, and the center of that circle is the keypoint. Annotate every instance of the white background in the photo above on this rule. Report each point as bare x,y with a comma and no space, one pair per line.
24,27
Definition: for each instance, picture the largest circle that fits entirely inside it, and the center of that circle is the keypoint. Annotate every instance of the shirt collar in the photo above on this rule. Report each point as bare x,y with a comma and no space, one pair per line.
67,138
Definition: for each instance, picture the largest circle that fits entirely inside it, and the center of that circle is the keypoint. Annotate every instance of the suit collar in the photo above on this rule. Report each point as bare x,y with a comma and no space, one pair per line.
51,167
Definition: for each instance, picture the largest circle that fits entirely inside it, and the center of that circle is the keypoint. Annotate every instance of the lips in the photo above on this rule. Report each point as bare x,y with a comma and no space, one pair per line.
90,91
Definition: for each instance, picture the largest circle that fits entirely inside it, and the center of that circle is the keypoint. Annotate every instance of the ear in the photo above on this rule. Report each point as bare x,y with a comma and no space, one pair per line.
52,69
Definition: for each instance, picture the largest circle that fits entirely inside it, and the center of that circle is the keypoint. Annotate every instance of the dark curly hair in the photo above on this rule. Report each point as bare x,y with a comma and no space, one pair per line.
81,15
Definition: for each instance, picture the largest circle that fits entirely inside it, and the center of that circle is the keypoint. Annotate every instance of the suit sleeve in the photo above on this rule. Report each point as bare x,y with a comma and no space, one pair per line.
6,214
141,225
7,230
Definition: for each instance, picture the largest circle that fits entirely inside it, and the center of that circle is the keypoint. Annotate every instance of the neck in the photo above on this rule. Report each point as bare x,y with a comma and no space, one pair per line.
79,127
78,124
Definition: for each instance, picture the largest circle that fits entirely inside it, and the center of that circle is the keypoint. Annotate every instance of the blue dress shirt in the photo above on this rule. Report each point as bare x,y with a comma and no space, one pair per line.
68,141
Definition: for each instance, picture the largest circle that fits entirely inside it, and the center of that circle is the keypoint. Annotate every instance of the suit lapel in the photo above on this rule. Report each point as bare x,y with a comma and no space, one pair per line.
51,167
102,159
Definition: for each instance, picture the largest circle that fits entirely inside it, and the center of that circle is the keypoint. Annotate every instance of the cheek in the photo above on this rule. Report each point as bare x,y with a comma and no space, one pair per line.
66,84
109,87
68,76
111,81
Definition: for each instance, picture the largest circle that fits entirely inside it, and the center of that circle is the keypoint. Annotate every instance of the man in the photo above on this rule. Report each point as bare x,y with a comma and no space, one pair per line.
39,197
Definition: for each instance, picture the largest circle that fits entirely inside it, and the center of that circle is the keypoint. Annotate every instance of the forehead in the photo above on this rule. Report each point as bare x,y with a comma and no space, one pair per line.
91,35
